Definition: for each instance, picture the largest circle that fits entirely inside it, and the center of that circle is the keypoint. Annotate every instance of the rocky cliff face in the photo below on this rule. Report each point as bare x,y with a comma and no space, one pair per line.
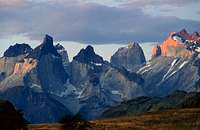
156,51
65,59
13,69
131,57
17,49
100,85
37,106
163,75
178,44
47,86
44,80
86,64
175,68
195,36
28,80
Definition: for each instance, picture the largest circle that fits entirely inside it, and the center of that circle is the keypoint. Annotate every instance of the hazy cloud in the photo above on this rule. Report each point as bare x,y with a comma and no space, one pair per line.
160,2
75,20
5,3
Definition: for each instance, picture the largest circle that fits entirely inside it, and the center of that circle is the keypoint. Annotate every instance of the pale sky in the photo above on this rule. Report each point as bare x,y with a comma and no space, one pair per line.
98,21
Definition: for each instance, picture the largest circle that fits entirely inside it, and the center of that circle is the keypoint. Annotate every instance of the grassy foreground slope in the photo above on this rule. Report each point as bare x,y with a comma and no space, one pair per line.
142,105
176,119
178,111
44,127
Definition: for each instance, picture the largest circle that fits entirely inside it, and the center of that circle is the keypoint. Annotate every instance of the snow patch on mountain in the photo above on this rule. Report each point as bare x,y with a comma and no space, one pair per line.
36,88
183,64
144,69
115,92
96,64
167,75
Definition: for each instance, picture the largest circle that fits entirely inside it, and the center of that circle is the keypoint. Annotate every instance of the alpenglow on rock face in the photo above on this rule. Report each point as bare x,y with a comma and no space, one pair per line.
131,57
174,66
178,44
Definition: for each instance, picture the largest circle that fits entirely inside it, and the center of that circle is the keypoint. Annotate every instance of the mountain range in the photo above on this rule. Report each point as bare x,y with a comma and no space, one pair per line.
46,85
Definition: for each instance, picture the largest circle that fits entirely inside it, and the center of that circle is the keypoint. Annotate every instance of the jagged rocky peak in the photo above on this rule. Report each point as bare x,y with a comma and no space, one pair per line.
61,50
133,45
130,57
59,47
48,40
132,76
46,47
88,55
196,34
179,44
184,33
65,59
17,49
